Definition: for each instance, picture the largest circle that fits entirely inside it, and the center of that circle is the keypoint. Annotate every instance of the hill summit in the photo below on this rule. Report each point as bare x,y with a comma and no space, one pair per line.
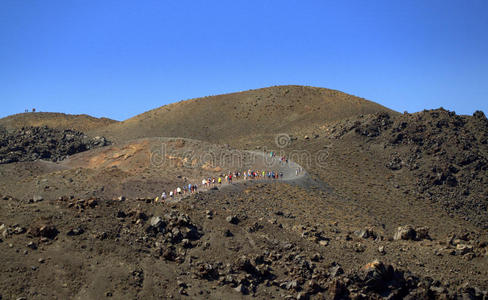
234,117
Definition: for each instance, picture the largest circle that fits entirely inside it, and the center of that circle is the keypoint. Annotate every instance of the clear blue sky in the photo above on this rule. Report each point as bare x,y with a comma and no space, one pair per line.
121,58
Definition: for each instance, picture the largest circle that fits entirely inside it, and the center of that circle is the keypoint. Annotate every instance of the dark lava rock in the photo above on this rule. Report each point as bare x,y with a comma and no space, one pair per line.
233,220
76,231
169,254
32,245
32,143
407,232
47,231
335,270
447,153
121,214
241,289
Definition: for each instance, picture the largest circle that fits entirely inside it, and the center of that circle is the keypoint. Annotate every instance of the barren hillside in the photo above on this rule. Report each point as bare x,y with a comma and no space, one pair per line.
239,117
372,204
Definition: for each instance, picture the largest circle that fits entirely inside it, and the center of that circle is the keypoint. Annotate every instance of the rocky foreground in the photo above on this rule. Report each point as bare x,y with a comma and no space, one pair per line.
365,225
209,247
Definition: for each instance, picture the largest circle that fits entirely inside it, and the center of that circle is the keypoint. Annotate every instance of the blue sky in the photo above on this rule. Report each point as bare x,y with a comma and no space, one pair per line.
121,58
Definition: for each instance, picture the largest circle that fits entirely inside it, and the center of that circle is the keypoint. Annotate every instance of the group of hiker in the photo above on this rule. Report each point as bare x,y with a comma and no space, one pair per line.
211,182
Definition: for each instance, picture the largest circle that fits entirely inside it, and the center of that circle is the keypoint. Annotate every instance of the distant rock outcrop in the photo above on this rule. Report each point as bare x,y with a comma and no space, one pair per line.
32,143
446,153
54,120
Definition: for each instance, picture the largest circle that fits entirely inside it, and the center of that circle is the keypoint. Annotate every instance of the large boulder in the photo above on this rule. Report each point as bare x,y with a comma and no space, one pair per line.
408,232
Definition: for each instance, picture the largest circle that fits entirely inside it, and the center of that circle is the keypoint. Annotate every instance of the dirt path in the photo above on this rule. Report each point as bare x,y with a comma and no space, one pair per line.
263,161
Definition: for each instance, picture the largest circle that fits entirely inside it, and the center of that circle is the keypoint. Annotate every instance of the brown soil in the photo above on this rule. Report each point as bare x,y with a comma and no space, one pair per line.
235,117
88,227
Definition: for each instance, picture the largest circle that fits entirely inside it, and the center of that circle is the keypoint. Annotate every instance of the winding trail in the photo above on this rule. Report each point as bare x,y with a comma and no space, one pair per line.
263,161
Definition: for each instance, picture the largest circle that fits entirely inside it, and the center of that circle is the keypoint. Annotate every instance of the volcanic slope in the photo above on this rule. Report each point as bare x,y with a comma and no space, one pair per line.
138,168
64,235
405,165
54,120
239,118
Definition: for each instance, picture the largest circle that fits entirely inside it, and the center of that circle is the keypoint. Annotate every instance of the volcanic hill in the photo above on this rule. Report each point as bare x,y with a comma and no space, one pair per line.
372,204
238,118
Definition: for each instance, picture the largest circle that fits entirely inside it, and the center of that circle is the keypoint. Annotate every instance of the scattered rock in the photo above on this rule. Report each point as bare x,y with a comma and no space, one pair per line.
316,257
358,247
47,231
337,290
335,270
292,285
76,231
32,245
169,254
422,233
232,219
186,243
241,289
365,233
462,249
156,222
33,143
324,243
37,198
182,291
18,229
255,227
407,232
